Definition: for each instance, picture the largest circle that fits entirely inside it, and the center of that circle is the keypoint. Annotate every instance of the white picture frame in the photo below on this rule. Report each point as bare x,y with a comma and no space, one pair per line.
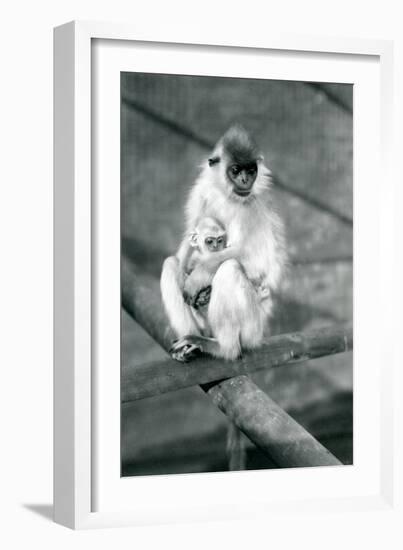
78,428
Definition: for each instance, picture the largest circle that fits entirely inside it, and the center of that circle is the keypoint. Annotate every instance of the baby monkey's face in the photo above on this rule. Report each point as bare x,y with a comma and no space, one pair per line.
215,243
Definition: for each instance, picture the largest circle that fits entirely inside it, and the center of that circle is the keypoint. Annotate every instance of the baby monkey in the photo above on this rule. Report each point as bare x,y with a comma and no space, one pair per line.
208,237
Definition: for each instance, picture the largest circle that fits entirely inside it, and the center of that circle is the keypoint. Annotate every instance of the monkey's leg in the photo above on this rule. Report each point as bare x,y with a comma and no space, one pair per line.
232,307
179,313
234,313
225,316
235,317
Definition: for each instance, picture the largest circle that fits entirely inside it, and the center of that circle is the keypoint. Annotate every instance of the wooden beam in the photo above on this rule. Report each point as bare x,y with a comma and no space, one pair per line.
143,303
282,439
163,376
285,442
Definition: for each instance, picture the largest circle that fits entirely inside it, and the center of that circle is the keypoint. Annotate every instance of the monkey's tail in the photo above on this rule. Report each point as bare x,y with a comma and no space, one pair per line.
236,450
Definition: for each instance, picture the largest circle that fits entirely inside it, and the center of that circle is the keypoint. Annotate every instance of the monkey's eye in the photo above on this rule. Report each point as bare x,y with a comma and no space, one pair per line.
251,171
219,240
235,170
209,241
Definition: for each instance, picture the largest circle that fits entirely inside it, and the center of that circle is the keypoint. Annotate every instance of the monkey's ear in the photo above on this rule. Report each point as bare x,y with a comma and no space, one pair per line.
193,239
213,160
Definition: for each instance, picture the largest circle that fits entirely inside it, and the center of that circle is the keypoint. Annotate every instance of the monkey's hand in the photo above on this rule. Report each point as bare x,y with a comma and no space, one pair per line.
263,291
202,298
197,288
186,348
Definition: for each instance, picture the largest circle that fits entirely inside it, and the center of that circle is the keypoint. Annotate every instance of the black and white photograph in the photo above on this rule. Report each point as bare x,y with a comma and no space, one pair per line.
236,274
204,203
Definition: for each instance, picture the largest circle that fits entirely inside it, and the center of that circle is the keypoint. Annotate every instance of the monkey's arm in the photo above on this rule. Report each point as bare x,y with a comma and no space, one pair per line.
213,262
203,274
194,210
263,291
185,257
184,253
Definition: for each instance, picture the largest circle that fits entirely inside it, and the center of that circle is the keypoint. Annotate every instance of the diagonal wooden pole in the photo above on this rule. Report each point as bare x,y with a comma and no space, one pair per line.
284,441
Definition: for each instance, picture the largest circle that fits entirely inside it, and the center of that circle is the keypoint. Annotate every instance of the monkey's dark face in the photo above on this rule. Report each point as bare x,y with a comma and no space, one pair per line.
242,176
237,157
215,243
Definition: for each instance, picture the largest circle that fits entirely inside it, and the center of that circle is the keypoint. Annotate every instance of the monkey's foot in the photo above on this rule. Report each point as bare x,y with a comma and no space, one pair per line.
185,348
202,298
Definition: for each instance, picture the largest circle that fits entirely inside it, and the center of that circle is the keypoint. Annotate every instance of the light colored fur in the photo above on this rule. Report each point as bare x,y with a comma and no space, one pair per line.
180,315
205,227
252,266
254,229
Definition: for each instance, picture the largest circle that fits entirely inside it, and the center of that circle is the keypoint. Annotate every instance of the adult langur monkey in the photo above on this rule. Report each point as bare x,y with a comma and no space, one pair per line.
238,282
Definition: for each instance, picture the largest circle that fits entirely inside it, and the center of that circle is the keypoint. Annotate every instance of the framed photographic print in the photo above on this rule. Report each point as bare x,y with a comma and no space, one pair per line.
219,228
